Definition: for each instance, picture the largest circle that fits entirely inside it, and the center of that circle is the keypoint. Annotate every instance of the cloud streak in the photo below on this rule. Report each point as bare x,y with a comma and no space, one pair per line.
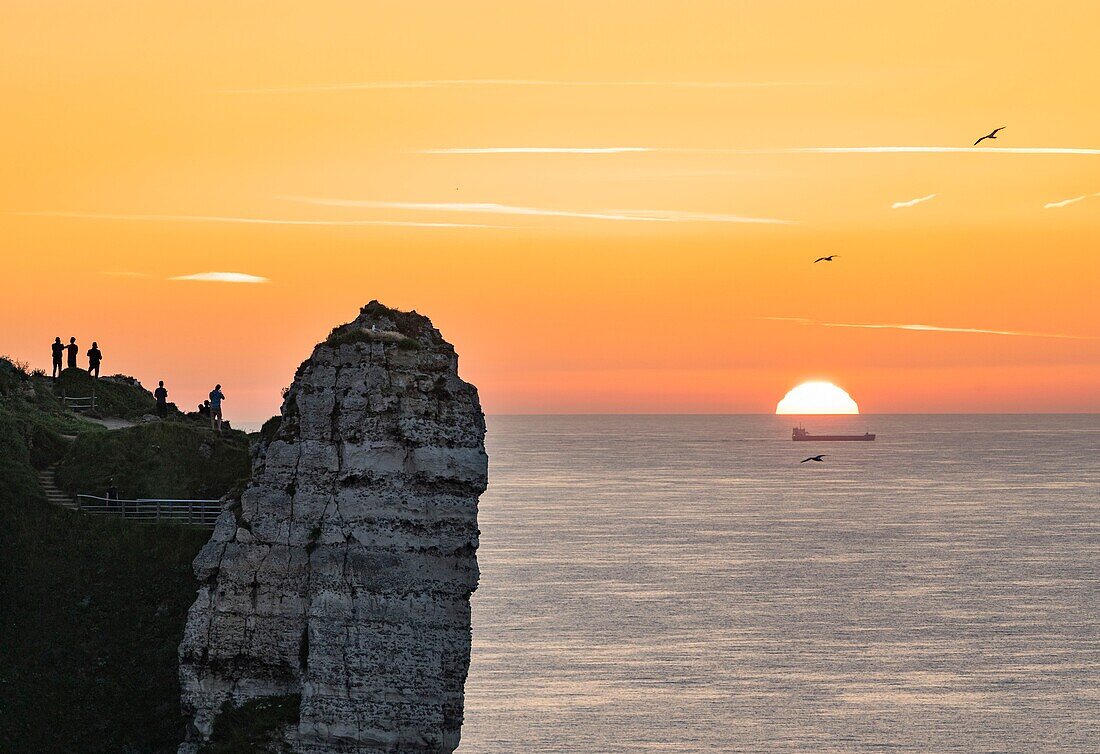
249,220
912,202
480,83
1067,202
222,277
1064,202
539,150
928,328
493,208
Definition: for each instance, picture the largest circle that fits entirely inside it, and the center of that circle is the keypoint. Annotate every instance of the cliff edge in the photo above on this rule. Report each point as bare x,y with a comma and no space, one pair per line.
338,586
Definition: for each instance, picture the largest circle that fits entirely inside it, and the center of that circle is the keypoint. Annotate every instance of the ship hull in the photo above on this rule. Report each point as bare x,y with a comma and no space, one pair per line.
834,438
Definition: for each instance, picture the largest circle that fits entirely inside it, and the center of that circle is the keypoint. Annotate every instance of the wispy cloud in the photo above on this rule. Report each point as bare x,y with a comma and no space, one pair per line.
1064,202
204,277
493,208
927,328
475,83
912,202
249,220
1067,202
539,150
222,277
661,174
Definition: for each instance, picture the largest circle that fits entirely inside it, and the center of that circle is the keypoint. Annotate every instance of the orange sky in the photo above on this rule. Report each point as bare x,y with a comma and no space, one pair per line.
142,133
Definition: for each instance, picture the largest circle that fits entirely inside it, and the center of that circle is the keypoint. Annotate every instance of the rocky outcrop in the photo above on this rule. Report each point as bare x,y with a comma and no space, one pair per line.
343,574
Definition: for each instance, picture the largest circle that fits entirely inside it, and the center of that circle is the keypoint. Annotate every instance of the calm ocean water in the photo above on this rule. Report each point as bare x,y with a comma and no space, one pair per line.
683,584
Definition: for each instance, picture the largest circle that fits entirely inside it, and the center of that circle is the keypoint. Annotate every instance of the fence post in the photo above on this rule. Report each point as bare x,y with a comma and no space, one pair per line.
200,512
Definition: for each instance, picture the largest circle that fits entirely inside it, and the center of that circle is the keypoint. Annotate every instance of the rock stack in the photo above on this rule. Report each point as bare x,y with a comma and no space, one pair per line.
341,578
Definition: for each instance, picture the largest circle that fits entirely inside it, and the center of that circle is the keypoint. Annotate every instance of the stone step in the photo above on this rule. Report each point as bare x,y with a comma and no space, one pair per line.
47,479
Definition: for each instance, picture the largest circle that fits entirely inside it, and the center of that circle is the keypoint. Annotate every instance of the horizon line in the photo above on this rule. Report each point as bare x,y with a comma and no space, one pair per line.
652,414
763,151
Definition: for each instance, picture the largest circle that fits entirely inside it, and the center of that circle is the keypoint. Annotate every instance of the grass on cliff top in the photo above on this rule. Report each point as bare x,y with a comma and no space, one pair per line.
410,324
348,335
116,396
30,398
91,613
166,459
41,432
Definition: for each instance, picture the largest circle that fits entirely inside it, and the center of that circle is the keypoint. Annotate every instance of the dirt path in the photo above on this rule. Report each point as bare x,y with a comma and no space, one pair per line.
112,423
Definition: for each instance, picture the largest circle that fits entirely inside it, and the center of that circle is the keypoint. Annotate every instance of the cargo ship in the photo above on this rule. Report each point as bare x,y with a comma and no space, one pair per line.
799,434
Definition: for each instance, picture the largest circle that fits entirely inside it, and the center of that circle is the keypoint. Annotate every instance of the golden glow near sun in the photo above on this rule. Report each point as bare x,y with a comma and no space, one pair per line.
817,398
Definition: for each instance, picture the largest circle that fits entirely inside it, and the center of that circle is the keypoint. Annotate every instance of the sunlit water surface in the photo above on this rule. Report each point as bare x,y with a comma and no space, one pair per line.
684,584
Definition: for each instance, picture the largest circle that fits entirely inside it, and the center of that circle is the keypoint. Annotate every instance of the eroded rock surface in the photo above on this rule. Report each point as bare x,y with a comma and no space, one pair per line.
344,573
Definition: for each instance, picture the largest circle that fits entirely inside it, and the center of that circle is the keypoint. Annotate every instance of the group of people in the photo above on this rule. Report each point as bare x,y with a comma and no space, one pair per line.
64,357
71,351
210,408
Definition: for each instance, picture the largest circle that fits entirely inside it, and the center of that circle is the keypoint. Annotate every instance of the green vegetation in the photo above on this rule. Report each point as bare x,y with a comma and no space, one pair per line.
409,331
91,608
116,396
348,335
28,398
270,430
409,324
160,459
255,726
11,374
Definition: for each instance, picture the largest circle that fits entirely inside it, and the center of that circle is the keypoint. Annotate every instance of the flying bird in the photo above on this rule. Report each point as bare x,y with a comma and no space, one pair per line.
829,258
819,459
991,135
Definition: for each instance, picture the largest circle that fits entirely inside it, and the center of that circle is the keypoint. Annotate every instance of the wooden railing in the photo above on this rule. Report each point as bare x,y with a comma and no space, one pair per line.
152,510
79,404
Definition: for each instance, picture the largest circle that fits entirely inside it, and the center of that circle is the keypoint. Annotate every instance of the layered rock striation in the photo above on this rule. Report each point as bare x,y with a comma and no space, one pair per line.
343,574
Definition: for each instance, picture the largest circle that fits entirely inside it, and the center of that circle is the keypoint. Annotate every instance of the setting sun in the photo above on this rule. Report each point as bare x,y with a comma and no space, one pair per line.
817,398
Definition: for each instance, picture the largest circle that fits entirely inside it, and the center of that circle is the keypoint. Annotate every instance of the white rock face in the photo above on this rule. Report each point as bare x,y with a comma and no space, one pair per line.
344,572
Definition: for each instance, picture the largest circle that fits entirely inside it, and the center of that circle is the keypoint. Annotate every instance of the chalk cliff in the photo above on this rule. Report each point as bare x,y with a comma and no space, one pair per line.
343,575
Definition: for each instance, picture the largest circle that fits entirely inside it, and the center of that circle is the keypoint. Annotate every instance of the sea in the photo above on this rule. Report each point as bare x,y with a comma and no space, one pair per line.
685,584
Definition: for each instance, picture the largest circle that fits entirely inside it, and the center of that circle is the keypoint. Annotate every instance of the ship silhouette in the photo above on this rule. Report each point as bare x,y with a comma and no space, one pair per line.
799,434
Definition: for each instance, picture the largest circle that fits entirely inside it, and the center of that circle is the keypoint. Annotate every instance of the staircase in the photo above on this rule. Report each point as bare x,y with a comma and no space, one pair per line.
47,479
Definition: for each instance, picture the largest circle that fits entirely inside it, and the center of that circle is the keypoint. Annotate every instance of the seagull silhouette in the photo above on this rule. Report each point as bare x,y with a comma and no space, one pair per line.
991,135
829,258
819,459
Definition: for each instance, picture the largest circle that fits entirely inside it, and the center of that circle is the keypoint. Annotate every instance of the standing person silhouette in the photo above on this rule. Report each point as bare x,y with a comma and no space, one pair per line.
216,398
162,400
73,349
58,352
95,356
